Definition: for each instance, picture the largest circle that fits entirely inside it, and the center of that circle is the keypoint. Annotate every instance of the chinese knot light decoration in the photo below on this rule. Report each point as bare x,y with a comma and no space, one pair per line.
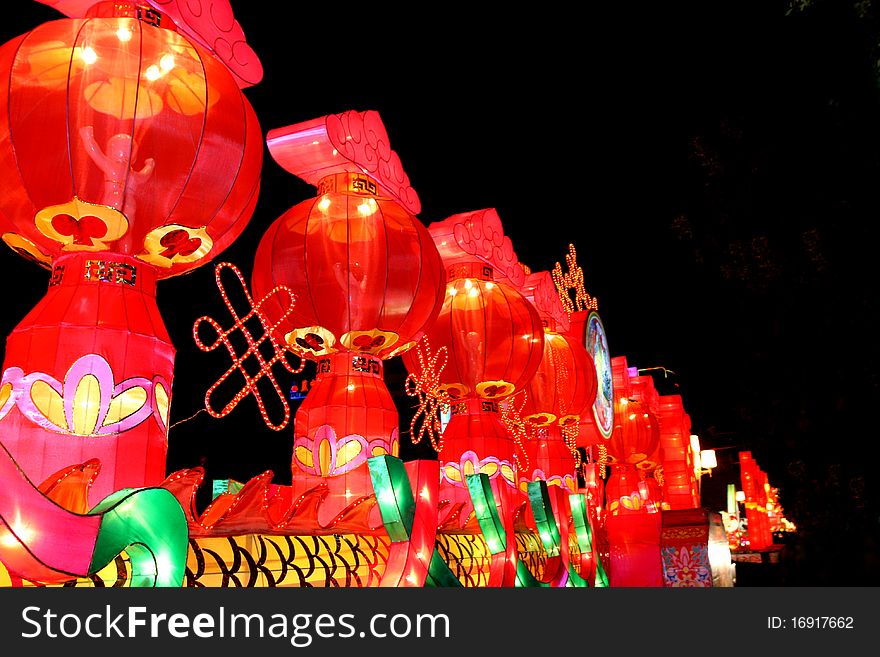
368,281
586,326
128,154
493,339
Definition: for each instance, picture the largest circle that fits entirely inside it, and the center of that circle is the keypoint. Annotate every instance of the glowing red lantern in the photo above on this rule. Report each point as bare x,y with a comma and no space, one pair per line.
679,482
560,392
622,493
494,339
368,281
636,435
633,527
128,154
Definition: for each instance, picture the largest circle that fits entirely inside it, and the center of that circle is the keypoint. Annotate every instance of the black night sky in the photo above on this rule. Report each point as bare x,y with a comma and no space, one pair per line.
715,167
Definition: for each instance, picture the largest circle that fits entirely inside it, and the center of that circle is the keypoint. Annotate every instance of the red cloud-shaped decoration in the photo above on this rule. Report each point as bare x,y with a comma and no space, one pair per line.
208,22
478,235
352,142
540,289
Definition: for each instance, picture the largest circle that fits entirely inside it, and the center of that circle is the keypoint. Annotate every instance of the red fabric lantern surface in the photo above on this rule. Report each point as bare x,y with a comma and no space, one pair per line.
368,282
636,436
634,550
128,154
622,494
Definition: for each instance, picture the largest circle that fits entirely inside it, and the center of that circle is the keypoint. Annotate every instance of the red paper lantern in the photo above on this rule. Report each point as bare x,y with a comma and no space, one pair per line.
368,281
679,482
636,435
561,391
622,493
128,154
124,135
493,339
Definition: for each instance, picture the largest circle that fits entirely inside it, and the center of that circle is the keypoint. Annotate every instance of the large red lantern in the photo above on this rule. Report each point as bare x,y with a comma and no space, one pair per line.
368,281
493,339
558,395
128,154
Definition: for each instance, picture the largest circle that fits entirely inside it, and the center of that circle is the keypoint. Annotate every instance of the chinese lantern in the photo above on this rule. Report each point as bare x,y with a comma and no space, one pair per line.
561,391
368,281
679,483
128,154
636,435
644,392
493,338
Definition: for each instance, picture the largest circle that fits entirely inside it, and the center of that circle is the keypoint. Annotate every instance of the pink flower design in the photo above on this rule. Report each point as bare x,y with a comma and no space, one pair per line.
325,455
119,407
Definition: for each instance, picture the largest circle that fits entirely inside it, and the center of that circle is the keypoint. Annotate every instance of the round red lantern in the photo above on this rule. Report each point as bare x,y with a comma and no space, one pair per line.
493,338
367,280
558,395
636,435
128,154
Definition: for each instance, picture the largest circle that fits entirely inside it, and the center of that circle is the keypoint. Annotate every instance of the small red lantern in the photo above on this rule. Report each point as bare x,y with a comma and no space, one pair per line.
636,435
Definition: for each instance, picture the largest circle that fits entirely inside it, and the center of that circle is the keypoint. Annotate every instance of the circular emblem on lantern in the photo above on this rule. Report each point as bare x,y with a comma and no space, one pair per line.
597,346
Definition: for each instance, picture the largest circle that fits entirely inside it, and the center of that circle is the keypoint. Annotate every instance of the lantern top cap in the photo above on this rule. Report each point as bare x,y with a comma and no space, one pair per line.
540,289
211,25
478,236
350,142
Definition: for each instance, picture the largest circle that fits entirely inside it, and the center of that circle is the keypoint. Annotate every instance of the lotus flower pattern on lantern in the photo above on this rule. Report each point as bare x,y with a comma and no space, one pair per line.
470,463
567,482
88,403
687,567
326,455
